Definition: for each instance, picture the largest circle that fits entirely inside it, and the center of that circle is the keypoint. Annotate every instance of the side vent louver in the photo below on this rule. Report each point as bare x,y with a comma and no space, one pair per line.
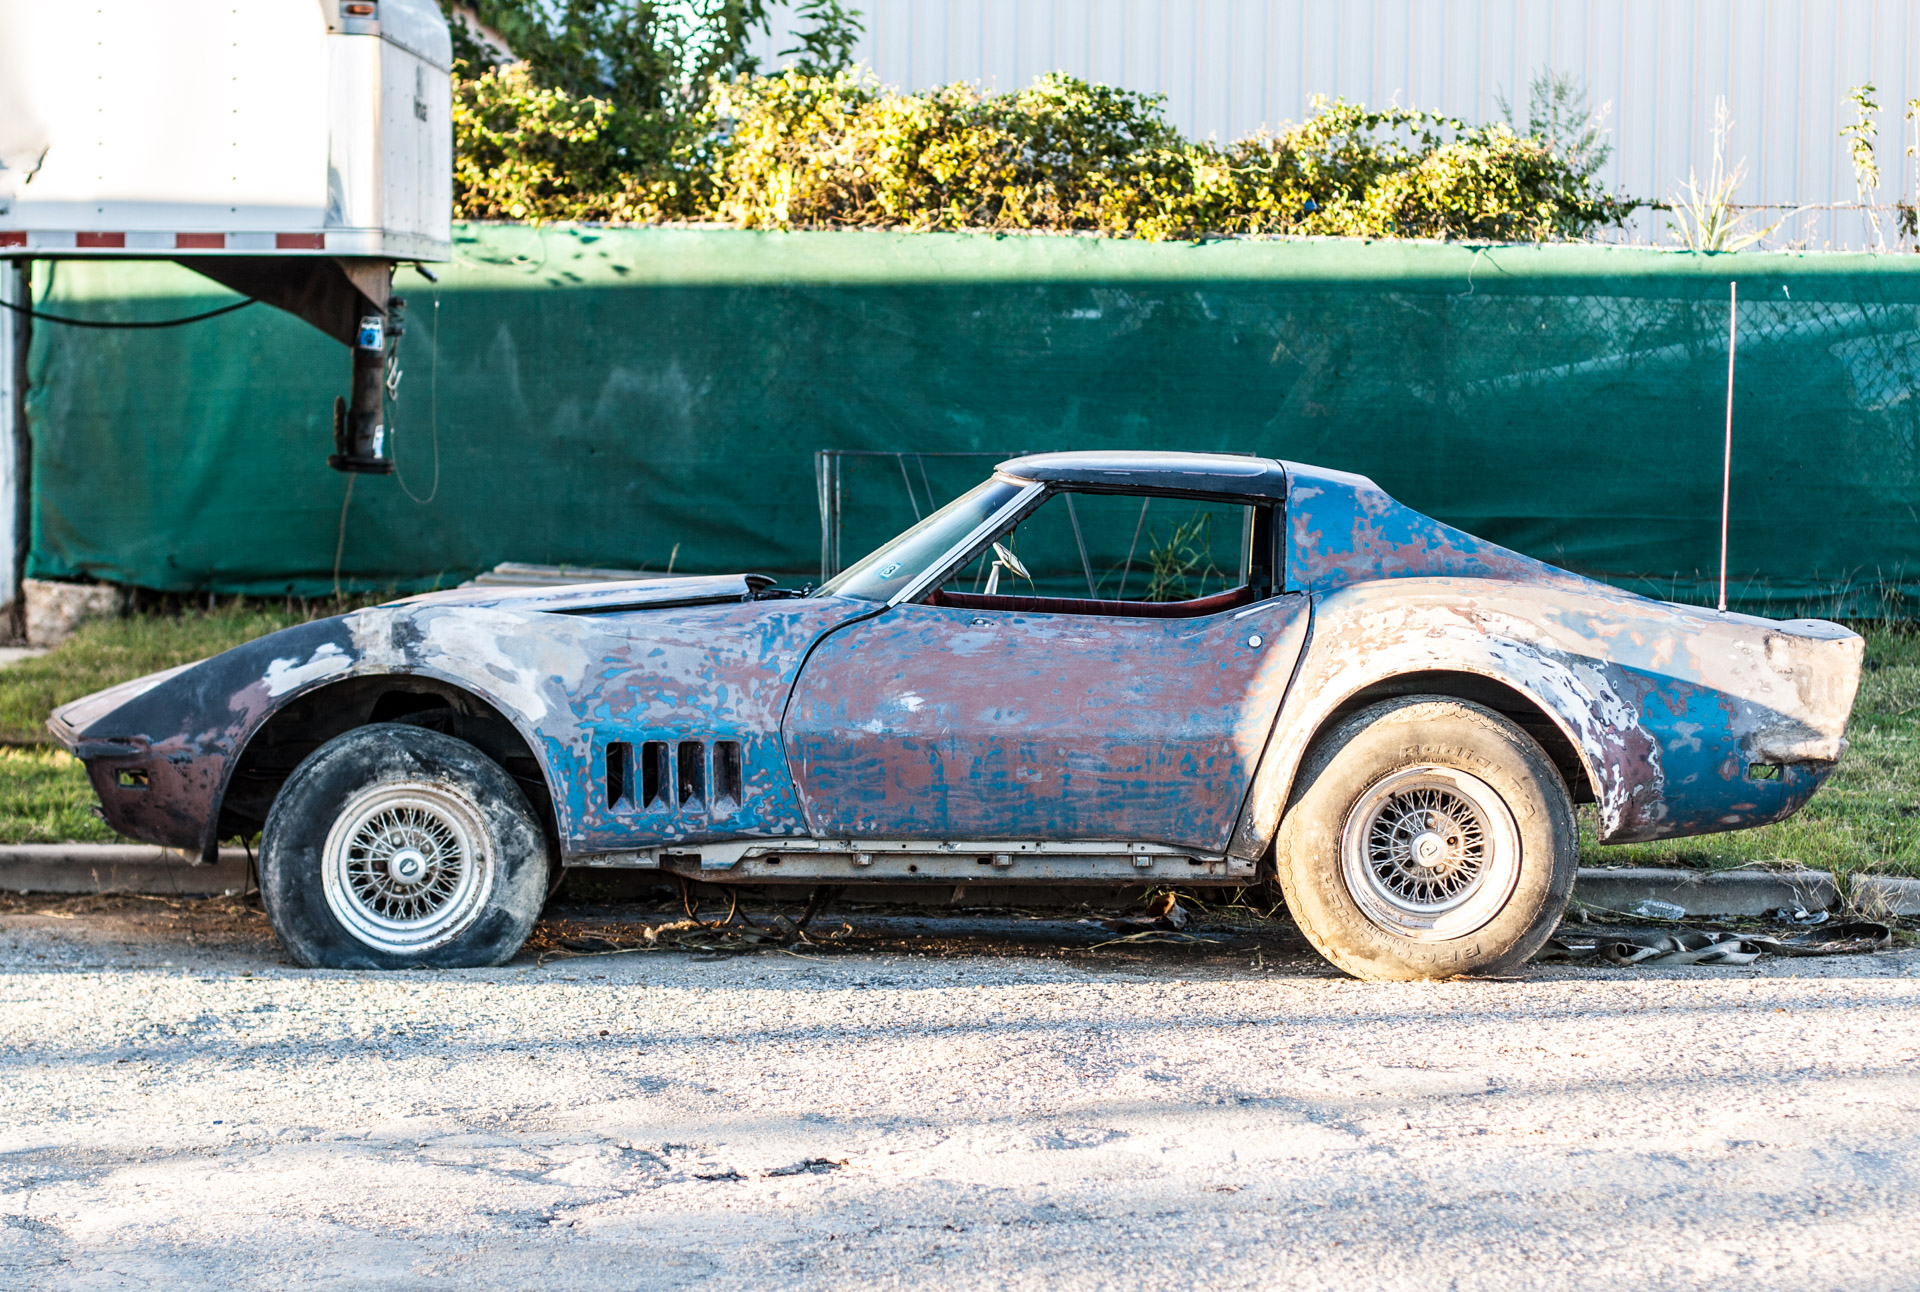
693,773
620,775
654,776
727,776
674,776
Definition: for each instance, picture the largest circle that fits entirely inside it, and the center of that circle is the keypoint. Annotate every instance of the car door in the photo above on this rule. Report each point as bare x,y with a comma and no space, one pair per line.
984,715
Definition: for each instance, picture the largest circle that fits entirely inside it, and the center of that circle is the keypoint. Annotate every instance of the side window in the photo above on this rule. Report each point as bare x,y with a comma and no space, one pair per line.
1120,554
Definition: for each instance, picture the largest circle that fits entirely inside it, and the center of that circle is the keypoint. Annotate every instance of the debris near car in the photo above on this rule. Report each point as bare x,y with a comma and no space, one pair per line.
712,940
734,934
1664,947
1155,669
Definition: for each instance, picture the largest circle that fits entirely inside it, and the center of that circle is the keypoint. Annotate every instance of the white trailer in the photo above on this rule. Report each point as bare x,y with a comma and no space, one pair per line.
292,150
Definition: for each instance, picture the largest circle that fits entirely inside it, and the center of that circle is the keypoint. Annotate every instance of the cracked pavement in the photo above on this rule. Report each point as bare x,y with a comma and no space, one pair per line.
1010,1109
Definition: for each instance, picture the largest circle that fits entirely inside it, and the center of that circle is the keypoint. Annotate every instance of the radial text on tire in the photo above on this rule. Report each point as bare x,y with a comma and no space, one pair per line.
1427,837
394,847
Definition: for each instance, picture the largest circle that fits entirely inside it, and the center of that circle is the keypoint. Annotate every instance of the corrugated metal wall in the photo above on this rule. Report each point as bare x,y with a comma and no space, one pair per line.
1229,67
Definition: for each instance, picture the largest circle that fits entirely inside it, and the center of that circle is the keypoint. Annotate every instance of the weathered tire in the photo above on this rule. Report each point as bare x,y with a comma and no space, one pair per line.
396,847
1427,837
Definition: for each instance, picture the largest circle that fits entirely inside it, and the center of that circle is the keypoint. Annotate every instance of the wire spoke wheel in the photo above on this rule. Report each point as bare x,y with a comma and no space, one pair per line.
1430,853
407,865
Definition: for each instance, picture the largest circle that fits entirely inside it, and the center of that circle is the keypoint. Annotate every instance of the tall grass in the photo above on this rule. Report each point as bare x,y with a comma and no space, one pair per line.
45,798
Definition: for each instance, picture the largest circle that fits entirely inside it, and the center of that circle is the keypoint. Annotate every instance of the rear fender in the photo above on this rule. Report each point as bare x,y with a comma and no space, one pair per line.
1667,706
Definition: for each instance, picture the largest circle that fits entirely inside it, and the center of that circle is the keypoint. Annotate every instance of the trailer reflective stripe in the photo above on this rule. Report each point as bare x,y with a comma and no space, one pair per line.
161,241
165,244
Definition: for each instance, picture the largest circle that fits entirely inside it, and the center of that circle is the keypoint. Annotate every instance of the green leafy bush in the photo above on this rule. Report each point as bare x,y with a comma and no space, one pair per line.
836,150
827,151
527,152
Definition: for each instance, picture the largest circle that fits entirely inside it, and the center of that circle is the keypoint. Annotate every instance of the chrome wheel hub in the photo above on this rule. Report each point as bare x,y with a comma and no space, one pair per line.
1430,853
407,866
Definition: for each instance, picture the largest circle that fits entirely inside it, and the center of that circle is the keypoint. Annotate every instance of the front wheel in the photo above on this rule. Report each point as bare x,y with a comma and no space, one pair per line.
1426,838
396,847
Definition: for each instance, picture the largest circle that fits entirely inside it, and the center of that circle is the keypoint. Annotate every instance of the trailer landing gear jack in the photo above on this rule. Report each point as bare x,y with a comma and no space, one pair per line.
359,425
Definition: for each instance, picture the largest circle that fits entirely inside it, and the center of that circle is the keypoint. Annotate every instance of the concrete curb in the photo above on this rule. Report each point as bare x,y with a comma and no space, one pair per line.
117,868
137,868
1880,896
1669,894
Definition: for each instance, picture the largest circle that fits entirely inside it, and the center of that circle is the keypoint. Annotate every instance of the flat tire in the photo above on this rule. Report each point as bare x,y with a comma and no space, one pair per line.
394,846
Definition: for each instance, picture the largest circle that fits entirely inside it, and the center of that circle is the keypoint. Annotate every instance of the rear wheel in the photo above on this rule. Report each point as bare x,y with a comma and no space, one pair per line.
394,846
1427,837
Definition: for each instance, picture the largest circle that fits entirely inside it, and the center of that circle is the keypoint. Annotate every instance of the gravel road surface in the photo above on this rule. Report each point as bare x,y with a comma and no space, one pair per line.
998,1103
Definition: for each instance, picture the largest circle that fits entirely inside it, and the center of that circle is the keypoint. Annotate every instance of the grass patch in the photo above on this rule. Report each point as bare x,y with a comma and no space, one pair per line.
1867,815
45,798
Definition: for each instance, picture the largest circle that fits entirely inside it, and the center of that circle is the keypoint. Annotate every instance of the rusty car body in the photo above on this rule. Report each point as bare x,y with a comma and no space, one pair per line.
897,726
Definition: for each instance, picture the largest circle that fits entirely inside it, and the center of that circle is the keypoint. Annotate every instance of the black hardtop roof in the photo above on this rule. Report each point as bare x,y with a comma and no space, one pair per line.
1225,474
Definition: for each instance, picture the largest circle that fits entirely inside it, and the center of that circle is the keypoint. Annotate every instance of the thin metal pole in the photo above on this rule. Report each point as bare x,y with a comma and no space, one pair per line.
9,512
1726,467
826,526
22,449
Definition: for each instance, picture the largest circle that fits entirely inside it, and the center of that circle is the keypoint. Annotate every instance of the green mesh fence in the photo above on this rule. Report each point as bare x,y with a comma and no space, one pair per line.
637,397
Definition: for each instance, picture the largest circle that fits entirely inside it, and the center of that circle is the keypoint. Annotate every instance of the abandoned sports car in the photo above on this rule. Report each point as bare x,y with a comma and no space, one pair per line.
1093,668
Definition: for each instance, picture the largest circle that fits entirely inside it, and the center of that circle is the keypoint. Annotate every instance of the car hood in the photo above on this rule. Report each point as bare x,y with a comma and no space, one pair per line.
589,598
501,642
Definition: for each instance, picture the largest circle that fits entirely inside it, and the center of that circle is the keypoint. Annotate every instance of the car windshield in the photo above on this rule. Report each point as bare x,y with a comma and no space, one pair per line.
891,567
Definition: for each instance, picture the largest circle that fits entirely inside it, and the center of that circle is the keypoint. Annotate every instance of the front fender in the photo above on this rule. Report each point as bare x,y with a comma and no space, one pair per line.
162,751
1667,706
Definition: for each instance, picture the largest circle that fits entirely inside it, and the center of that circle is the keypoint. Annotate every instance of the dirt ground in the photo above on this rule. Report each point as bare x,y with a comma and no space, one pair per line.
936,1099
